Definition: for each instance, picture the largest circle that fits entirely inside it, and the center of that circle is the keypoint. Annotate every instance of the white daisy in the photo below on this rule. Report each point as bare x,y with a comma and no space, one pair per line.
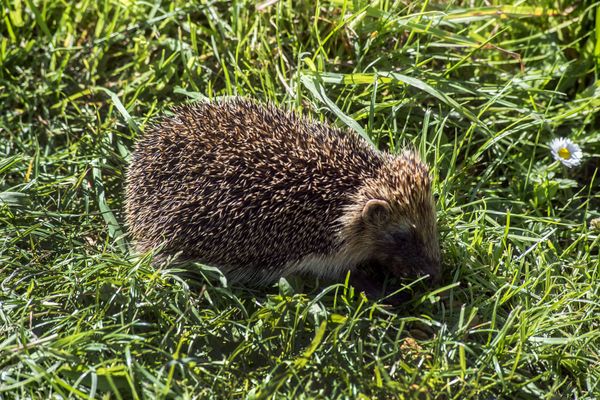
565,151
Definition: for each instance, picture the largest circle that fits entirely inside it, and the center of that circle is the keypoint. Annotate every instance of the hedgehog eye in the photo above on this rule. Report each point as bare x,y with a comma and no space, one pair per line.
402,237
406,237
376,211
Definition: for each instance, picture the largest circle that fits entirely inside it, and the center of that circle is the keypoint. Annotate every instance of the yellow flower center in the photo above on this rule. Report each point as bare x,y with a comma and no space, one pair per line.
564,153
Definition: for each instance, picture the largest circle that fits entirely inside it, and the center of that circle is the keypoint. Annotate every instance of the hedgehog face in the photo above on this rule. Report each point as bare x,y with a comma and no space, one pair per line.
404,243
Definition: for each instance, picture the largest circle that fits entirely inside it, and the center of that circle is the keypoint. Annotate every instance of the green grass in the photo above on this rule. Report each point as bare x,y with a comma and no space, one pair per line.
479,91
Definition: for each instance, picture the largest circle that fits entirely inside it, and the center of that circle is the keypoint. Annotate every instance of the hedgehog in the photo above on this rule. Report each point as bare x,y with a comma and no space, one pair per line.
261,192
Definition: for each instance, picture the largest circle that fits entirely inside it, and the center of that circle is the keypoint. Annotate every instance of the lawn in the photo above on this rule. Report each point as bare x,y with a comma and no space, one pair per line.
480,88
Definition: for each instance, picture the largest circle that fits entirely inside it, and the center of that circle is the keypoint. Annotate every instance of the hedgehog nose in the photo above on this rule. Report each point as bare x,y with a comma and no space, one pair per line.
434,270
436,278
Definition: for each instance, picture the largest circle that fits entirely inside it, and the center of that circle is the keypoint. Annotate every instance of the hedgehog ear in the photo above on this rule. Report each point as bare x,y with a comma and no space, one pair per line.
376,211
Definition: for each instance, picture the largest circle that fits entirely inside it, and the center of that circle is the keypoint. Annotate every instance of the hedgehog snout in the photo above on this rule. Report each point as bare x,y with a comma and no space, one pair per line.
429,268
413,267
404,254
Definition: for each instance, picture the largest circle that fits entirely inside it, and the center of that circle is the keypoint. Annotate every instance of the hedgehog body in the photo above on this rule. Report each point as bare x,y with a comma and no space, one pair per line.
260,193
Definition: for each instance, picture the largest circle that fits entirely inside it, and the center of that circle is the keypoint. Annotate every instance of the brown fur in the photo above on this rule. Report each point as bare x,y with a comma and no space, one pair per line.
260,192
